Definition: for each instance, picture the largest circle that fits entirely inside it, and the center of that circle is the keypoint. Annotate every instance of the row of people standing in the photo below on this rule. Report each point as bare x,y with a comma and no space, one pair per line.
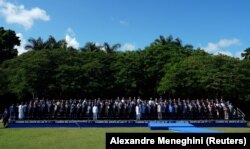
124,109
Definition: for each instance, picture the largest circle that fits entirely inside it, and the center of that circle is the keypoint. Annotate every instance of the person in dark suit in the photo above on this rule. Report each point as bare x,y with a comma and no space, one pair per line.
5,118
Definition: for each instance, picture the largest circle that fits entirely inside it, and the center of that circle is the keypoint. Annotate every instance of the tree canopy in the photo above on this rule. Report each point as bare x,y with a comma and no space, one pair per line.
166,67
8,41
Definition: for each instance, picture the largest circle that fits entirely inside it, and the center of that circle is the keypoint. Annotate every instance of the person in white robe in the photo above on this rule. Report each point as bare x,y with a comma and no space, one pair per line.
20,112
95,111
137,112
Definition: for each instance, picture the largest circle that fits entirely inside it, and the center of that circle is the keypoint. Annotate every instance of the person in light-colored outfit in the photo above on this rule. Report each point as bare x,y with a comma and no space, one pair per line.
95,111
20,112
137,111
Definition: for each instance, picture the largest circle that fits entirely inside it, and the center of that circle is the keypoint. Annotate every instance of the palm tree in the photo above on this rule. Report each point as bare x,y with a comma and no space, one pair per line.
91,46
62,44
35,44
169,39
246,54
164,41
110,49
178,42
188,46
51,43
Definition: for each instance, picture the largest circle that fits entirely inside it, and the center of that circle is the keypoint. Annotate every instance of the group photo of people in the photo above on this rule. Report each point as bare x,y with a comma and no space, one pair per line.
124,109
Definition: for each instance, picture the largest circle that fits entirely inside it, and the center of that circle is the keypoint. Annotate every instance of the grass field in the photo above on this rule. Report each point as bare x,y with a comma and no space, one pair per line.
69,138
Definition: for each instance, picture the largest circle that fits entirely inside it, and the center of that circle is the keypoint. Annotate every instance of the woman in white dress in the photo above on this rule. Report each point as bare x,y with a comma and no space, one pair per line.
20,112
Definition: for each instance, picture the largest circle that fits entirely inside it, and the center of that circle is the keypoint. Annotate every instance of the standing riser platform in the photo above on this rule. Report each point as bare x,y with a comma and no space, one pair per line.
122,123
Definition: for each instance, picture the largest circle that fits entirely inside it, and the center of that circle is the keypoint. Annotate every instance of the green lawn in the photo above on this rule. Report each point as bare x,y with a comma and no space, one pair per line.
58,138
68,138
232,130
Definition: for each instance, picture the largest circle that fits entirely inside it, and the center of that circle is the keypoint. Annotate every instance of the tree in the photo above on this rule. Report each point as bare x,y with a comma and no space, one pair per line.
35,44
173,70
129,75
91,46
203,76
62,44
109,49
164,41
246,53
188,46
170,41
51,43
178,42
8,41
3,81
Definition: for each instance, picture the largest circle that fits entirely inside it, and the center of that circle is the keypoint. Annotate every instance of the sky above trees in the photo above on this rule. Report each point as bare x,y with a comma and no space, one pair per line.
216,26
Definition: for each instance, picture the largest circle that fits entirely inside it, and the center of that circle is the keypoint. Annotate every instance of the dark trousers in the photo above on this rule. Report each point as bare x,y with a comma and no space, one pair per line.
5,123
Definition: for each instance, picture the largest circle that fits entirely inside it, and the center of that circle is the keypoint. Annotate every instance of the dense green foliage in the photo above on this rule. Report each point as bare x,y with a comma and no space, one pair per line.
8,41
166,67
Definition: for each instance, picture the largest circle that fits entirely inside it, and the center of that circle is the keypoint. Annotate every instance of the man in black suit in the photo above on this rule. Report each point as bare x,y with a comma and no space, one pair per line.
5,118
